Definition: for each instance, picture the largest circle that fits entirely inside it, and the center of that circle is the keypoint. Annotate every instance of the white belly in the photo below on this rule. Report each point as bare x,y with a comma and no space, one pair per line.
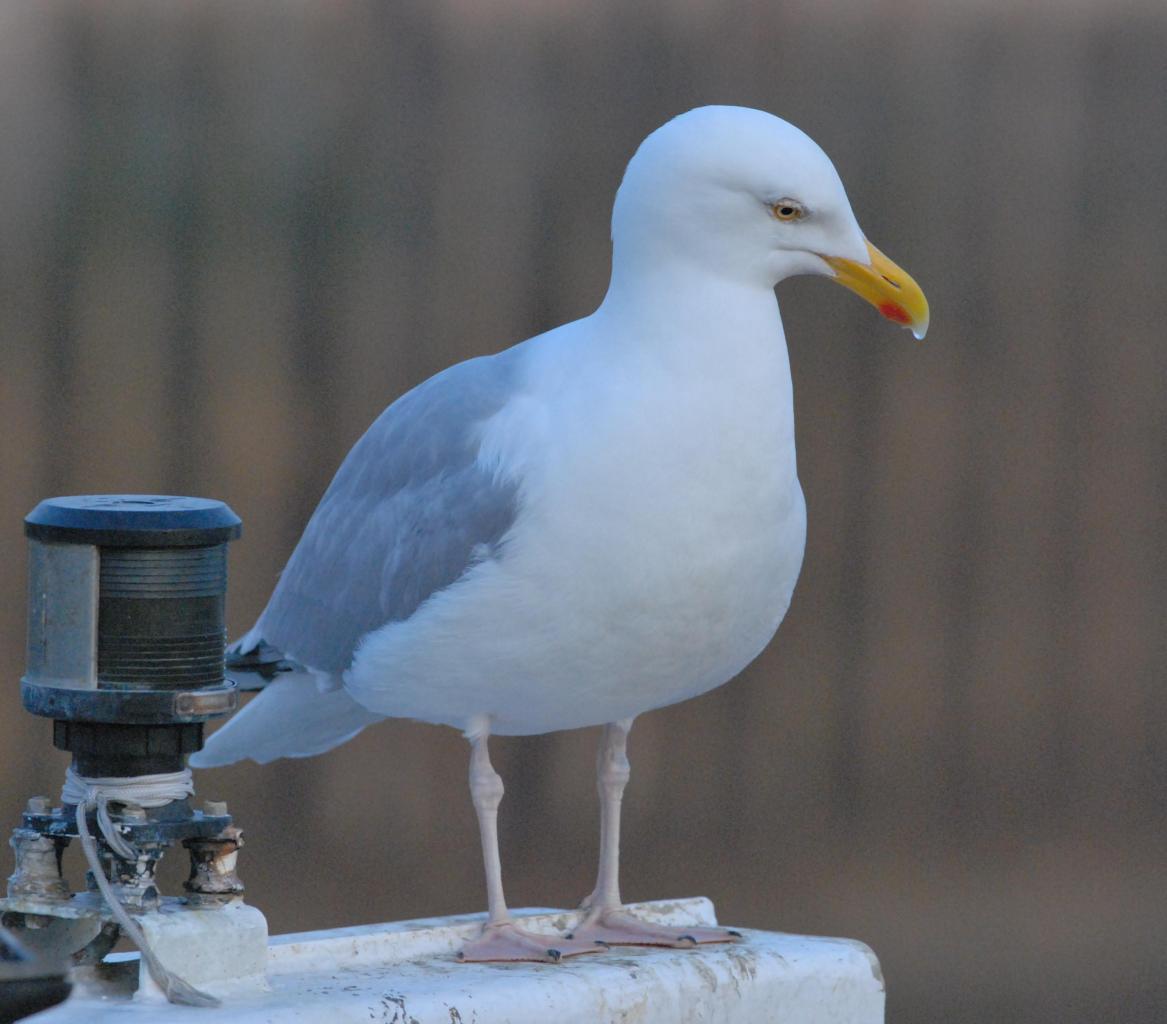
653,562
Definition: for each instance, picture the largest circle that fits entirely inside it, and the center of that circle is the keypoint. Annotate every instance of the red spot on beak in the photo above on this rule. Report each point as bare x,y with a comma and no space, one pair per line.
896,312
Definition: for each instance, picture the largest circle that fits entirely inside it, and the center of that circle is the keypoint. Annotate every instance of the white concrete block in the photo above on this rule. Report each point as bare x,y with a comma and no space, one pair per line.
220,947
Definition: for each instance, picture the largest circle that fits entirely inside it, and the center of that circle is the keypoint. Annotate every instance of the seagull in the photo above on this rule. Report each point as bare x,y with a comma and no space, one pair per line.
596,522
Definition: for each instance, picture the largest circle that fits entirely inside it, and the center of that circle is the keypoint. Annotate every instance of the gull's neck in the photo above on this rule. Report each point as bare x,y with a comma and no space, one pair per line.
710,355
684,312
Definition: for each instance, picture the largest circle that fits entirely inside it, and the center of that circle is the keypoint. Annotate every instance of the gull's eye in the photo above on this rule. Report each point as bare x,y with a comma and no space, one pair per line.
788,209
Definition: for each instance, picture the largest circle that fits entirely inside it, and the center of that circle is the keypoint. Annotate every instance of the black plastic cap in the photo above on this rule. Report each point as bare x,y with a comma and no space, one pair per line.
133,521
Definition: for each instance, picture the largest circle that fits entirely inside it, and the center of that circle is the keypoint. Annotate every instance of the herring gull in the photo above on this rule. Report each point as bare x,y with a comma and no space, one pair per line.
599,521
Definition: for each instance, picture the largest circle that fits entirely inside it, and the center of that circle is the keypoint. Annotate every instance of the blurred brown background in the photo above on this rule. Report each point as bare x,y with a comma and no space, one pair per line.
231,232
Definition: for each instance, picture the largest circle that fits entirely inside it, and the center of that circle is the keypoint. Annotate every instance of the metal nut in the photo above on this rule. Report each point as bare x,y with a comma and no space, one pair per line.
215,808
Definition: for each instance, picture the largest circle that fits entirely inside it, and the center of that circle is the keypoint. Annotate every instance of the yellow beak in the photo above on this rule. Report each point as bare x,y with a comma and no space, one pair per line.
888,288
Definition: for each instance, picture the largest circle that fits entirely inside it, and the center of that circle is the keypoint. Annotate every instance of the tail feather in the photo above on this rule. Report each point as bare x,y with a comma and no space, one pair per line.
293,716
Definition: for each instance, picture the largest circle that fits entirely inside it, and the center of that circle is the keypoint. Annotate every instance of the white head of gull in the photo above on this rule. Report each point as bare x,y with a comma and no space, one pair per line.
602,520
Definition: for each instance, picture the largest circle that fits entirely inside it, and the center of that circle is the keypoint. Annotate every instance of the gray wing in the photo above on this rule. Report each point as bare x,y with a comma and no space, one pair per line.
408,512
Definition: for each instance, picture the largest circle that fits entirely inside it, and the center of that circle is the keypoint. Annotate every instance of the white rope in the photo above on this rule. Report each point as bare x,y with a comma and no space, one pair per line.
140,791
143,791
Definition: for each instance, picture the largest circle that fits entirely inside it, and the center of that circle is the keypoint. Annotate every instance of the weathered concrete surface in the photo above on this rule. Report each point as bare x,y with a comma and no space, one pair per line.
406,973
225,945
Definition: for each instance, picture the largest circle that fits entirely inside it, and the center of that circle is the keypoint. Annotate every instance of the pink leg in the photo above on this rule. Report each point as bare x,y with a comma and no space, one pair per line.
606,919
501,938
